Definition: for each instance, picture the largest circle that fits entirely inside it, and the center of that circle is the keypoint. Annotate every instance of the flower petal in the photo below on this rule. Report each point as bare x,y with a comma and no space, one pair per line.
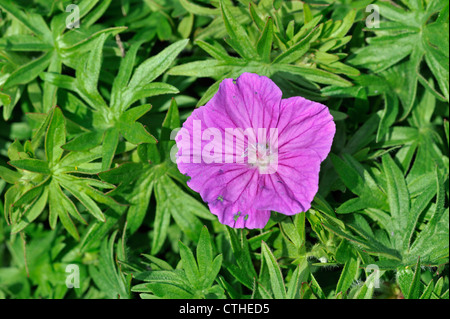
252,101
292,188
306,131
304,124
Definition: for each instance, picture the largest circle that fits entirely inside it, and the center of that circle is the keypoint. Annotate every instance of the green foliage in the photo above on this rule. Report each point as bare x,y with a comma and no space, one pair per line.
87,172
193,279
410,32
266,48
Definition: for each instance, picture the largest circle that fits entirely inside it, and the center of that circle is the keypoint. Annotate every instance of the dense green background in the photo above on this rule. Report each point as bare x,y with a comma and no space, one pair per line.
83,181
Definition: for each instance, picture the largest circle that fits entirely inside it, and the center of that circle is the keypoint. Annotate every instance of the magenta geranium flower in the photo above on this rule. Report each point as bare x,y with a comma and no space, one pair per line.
249,152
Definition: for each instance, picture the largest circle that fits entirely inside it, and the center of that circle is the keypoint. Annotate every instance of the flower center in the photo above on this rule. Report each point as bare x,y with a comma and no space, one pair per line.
260,155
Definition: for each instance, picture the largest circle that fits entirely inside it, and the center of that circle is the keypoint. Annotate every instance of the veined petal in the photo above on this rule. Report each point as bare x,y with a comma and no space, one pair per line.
252,101
304,124
291,189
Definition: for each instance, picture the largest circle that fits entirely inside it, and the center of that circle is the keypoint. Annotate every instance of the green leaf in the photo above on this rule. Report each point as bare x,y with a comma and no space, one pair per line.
190,265
256,16
55,137
370,246
276,277
55,200
148,90
107,276
135,133
385,52
241,253
446,129
89,71
93,15
161,223
415,287
299,49
84,199
391,109
345,26
348,275
59,80
125,72
98,230
198,10
307,15
432,242
360,182
398,196
110,142
163,265
217,51
84,142
183,208
30,195
299,276
185,26
32,21
202,68
209,93
204,253
32,165
215,268
168,284
32,212
264,45
8,175
418,206
28,72
428,291
153,67
314,75
171,201
239,39
23,42
437,53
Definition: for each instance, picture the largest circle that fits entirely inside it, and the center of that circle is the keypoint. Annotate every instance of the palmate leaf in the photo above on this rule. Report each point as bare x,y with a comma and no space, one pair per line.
361,183
299,56
108,275
116,120
46,179
401,219
421,152
436,230
57,48
410,33
194,280
156,175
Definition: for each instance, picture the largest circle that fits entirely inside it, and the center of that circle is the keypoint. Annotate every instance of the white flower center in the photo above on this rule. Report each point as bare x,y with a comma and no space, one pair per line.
260,155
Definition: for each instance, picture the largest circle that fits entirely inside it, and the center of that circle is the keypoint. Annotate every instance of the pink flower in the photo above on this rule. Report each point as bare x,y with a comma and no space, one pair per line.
274,162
